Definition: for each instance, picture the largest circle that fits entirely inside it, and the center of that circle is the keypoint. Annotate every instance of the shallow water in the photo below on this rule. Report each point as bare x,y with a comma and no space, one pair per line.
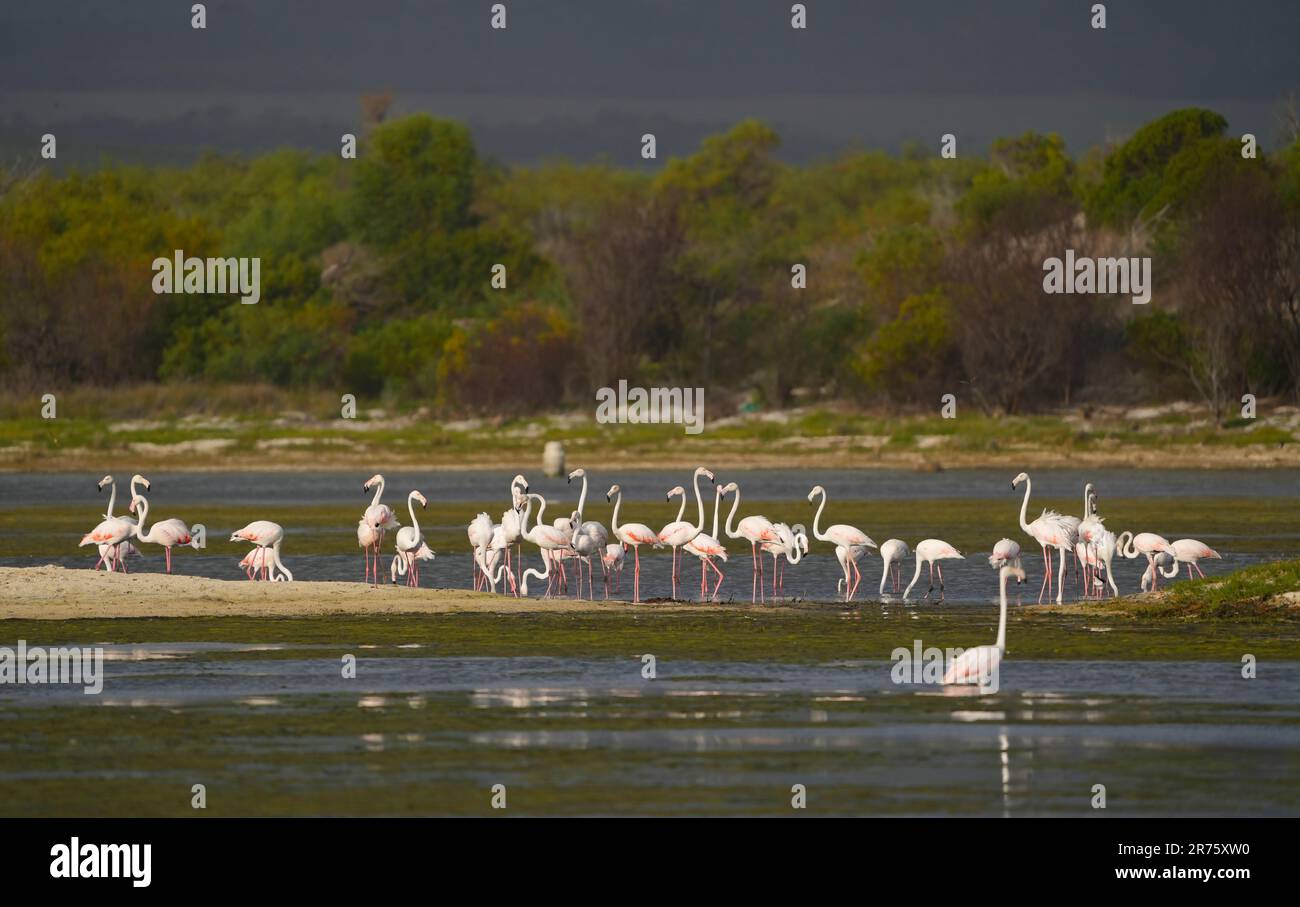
782,493
276,729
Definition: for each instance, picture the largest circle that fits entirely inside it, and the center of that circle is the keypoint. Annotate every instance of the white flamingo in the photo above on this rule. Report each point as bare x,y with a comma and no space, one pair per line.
479,532
932,550
977,666
402,561
792,545
632,535
679,532
549,539
591,536
892,553
613,562
1149,545
842,535
124,549
409,539
1050,530
755,530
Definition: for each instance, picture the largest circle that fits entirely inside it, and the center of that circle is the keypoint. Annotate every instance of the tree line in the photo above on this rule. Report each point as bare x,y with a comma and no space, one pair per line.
889,279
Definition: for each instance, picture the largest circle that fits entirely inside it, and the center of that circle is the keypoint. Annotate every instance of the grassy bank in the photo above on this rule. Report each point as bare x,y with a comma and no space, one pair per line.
188,427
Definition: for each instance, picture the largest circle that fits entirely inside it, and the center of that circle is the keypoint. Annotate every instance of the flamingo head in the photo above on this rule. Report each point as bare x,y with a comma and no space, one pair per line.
142,480
576,474
701,471
730,487
107,480
373,480
817,489
419,497
1092,503
676,490
613,490
1023,477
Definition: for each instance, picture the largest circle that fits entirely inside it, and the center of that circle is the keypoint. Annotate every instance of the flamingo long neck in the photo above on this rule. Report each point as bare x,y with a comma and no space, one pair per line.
732,514
379,492
1124,545
410,508
534,572
699,502
618,502
717,504
817,519
1002,613
541,511
582,498
112,499
528,512
275,555
142,517
1087,500
798,551
681,510
1024,507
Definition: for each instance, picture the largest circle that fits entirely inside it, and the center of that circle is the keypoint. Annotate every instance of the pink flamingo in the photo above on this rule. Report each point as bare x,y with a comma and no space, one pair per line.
381,519
842,535
631,534
707,548
264,534
1189,551
679,532
1148,544
932,550
1050,530
793,545
753,529
613,562
168,533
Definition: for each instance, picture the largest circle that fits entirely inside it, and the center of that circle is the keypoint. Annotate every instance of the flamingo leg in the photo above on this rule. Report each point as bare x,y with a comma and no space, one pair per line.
717,570
939,567
1198,569
1047,574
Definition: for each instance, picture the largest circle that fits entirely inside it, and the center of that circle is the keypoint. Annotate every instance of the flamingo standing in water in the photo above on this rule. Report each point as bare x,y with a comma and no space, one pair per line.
1189,551
480,537
1148,544
842,535
403,561
168,533
590,536
550,540
612,560
793,545
679,532
707,547
409,539
125,549
1090,530
632,535
1050,530
892,552
265,535
932,550
755,530
108,536
380,519
978,665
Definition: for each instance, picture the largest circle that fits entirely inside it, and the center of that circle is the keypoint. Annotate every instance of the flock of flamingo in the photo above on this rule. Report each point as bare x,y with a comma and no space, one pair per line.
573,539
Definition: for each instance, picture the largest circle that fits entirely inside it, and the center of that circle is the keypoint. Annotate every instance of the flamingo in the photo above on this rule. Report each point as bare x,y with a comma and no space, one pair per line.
932,550
793,544
753,529
380,518
167,533
367,538
1189,551
403,561
631,534
264,534
124,549
1005,553
892,552
979,664
108,537
511,522
254,560
1148,544
1161,561
843,535
707,547
613,562
480,537
1050,530
549,539
591,537
679,532
409,539
1090,528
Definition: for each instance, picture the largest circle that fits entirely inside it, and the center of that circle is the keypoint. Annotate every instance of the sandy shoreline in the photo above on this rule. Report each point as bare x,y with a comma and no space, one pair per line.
58,593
